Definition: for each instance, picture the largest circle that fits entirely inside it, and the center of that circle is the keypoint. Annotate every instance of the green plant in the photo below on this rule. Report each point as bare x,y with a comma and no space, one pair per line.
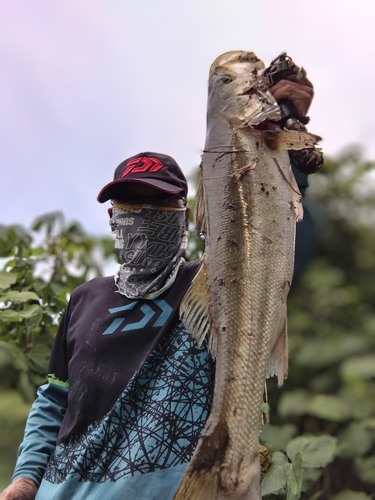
323,420
40,269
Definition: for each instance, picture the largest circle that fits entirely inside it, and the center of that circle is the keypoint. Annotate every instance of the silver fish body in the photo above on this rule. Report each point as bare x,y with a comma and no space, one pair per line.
248,207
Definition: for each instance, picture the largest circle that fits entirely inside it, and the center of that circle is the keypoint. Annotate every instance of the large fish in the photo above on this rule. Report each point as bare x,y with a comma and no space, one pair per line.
247,207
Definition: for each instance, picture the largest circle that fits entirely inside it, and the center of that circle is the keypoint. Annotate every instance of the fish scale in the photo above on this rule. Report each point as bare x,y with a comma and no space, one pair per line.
247,207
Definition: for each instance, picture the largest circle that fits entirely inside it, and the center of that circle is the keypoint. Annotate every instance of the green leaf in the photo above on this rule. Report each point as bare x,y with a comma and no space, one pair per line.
13,238
15,296
265,408
368,423
332,277
358,366
18,358
26,387
301,402
294,403
319,352
35,320
275,477
5,354
7,279
49,222
9,316
329,407
316,451
310,476
294,479
364,468
30,311
354,441
275,437
350,495
37,379
39,356
316,495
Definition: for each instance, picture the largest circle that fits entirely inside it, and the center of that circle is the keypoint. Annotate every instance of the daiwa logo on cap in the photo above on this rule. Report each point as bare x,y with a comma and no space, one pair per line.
152,169
142,164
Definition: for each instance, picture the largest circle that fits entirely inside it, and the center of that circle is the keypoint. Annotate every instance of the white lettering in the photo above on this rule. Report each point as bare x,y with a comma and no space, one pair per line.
126,221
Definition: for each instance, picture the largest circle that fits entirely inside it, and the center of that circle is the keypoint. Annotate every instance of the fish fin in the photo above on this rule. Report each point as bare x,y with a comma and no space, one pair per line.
295,192
200,221
296,197
279,357
194,310
290,139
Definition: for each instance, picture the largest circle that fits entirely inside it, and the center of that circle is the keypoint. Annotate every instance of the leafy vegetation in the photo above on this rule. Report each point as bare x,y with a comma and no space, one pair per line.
13,413
41,267
321,433
324,416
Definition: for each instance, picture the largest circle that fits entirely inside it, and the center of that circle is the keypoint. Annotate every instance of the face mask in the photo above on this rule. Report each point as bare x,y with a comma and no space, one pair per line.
150,241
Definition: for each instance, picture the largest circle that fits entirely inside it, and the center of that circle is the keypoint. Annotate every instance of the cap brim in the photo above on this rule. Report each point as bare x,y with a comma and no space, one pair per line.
113,190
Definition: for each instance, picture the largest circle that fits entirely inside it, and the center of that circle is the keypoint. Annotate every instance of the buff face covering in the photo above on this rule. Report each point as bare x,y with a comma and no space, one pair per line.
150,241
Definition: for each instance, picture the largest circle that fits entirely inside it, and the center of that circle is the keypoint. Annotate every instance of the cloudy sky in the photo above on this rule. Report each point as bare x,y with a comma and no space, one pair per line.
86,83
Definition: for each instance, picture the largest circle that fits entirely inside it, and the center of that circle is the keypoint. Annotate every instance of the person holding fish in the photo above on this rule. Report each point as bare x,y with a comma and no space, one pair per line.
129,389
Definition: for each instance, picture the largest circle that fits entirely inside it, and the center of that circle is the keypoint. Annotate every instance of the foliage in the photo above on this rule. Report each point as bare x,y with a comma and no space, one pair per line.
13,414
40,269
327,405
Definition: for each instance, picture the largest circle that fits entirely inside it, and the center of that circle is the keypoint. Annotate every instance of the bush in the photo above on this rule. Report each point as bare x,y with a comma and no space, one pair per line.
41,267
326,409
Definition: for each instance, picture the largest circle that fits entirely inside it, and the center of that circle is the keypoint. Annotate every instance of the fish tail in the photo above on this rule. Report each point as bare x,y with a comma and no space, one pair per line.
197,486
204,485
201,480
209,477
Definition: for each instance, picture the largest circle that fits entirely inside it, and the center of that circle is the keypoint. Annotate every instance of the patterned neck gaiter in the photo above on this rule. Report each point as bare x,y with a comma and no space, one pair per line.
150,241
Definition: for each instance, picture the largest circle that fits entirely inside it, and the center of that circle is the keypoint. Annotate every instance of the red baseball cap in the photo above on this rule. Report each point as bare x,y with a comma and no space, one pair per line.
152,169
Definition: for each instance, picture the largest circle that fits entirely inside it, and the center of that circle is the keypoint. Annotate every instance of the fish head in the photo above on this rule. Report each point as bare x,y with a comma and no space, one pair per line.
238,90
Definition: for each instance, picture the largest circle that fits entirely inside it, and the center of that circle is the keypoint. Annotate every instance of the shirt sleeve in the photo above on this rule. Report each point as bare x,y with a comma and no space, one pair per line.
41,431
47,413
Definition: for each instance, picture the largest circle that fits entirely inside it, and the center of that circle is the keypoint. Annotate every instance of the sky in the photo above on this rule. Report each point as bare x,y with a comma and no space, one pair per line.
87,83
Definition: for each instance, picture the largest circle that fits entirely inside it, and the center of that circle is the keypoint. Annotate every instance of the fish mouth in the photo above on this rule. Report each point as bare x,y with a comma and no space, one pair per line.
249,91
266,119
268,111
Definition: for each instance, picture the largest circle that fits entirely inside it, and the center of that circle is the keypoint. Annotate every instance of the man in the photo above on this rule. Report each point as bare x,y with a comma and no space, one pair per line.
128,390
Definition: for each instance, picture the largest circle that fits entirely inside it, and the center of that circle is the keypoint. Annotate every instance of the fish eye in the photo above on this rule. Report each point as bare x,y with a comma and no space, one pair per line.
225,79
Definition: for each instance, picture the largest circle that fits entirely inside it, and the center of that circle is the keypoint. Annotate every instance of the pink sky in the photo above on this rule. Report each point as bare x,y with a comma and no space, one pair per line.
87,83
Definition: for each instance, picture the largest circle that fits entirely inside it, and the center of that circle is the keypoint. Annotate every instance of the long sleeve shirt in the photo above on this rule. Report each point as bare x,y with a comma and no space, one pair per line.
128,396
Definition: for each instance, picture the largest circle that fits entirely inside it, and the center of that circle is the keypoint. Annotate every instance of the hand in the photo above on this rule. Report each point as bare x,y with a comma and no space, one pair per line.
299,93
20,489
